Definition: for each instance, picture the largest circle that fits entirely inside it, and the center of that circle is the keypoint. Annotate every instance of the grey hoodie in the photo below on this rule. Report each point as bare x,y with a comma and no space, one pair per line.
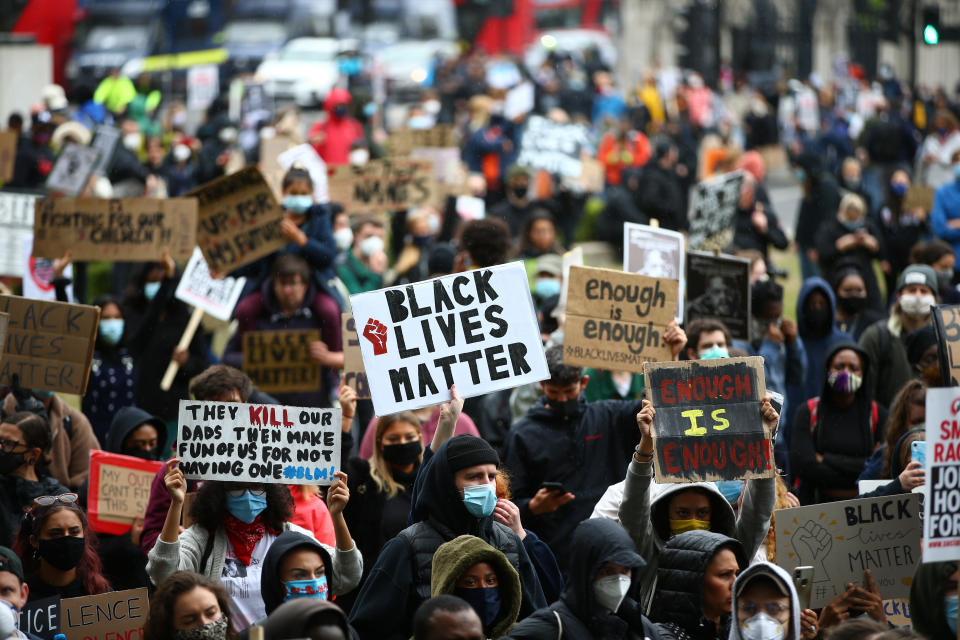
778,575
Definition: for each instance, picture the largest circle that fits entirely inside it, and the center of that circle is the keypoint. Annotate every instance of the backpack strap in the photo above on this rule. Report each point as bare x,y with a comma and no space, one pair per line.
874,418
207,551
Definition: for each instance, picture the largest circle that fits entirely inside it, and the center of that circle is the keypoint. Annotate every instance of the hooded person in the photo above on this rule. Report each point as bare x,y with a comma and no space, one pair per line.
854,313
134,432
604,567
694,586
759,609
835,433
455,495
851,237
904,477
933,600
334,137
307,618
469,568
275,590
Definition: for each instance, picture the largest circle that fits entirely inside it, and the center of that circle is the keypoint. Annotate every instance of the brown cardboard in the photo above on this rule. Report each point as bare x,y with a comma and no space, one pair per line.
384,185
918,196
49,345
120,230
279,361
108,616
588,289
273,173
403,140
238,220
8,153
354,375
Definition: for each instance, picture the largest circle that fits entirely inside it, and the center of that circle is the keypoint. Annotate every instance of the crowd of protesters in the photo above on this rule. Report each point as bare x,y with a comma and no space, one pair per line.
532,512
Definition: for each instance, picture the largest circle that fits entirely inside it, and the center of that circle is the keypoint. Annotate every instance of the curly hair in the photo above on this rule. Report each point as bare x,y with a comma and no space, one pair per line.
36,433
159,624
89,569
210,507
487,240
561,374
897,423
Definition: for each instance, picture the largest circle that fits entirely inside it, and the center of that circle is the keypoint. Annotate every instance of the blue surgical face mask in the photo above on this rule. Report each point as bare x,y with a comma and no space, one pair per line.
480,500
43,394
546,287
484,600
898,188
246,506
956,172
950,610
852,225
714,353
297,204
150,290
111,330
730,489
315,588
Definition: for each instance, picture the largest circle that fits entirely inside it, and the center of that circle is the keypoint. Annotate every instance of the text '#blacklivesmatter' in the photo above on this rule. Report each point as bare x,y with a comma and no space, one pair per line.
462,311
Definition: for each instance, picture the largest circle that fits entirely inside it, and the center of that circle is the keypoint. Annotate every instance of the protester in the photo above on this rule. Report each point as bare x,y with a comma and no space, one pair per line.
296,566
333,138
14,590
483,243
661,195
539,235
902,227
939,255
864,603
112,369
933,600
851,237
188,606
821,199
517,206
756,225
363,268
444,617
307,618
907,412
765,604
854,313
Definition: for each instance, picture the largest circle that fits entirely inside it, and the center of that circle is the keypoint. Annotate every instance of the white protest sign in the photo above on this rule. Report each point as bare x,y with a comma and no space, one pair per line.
518,101
198,288
713,205
203,85
238,442
657,253
941,516
306,155
106,140
477,330
553,147
572,258
16,223
72,169
841,540
471,208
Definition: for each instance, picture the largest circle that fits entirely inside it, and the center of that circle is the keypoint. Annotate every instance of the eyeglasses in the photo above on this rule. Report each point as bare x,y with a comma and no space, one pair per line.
773,609
10,446
45,502
236,493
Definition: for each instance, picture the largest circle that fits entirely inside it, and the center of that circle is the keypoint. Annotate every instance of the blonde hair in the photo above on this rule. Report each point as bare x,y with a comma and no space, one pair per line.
781,503
379,468
848,202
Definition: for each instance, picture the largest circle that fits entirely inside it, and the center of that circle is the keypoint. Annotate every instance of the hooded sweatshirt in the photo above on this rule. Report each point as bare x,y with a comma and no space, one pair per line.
271,587
126,421
400,580
453,558
896,468
782,578
927,612
595,542
339,132
643,513
678,606
292,619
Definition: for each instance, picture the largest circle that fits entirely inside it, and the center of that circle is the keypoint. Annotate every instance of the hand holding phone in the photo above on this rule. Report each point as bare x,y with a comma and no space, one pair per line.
803,581
918,452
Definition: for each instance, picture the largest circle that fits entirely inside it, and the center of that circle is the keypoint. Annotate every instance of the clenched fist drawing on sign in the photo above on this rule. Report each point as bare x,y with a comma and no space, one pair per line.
376,333
812,543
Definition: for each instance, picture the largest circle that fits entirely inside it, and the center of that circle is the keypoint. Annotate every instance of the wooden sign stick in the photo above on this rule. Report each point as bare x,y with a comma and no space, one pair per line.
185,341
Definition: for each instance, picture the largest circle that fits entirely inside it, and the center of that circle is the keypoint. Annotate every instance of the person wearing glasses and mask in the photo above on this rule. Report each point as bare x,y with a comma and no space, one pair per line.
766,607
24,456
235,524
59,551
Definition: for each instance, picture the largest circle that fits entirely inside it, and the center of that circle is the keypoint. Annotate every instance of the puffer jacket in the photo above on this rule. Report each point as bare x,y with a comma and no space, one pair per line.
678,607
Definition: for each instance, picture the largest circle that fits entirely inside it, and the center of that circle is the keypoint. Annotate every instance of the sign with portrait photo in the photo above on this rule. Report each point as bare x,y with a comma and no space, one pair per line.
655,253
718,288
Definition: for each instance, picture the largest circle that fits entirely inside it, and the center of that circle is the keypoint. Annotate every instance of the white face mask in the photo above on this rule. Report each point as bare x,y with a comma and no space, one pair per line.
358,157
432,107
132,141
227,135
181,153
917,306
611,590
762,627
371,245
343,238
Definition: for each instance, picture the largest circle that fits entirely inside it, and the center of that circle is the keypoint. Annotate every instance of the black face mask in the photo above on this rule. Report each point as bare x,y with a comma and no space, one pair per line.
566,409
340,110
143,454
819,321
402,454
10,462
852,305
62,553
520,191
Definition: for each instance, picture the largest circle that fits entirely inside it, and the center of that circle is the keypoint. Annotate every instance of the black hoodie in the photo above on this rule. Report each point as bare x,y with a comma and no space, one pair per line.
271,587
127,420
595,541
389,597
927,611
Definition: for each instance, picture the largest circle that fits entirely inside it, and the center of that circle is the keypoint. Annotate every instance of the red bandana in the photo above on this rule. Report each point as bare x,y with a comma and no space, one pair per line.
244,537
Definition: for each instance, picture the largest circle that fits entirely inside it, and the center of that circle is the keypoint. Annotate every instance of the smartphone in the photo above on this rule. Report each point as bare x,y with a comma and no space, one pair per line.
552,486
803,581
918,451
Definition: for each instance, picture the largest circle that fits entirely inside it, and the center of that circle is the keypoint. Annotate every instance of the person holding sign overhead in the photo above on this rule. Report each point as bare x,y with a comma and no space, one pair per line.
235,524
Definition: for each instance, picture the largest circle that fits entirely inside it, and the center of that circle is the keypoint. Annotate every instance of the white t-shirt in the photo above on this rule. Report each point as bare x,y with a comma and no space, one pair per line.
243,584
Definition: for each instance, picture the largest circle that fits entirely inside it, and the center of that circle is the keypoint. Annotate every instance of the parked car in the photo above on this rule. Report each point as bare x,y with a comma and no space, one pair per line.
304,69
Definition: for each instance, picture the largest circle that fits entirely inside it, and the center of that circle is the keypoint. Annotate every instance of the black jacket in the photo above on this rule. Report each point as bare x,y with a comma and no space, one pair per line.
678,606
595,542
586,454
830,258
926,600
16,496
271,587
819,202
746,236
391,594
662,198
621,207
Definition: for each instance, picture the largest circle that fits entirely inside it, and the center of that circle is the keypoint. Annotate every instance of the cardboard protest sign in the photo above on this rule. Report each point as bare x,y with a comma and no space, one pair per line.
919,196
616,320
238,220
713,205
40,618
403,141
718,287
477,330
4,323
946,324
708,424
841,540
897,611
553,147
72,169
657,253
118,491
8,154
941,524
279,361
238,442
108,616
16,223
270,150
49,344
106,139
518,101
307,156
353,374
470,208
198,288
384,185
120,230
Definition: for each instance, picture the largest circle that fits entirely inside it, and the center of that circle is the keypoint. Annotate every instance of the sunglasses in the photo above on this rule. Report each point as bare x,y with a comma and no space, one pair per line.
45,502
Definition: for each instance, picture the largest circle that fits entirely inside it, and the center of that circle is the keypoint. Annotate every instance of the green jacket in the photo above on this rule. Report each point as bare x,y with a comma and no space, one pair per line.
453,558
357,277
601,386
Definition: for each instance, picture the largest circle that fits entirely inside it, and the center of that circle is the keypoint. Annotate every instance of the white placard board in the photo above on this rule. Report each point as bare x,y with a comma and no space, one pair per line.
941,491
16,223
198,288
657,253
306,155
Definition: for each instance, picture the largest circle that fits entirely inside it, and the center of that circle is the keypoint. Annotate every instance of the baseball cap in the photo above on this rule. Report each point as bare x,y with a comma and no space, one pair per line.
10,562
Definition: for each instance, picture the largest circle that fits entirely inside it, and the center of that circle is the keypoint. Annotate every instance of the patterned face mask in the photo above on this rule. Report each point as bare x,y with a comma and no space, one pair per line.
213,631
